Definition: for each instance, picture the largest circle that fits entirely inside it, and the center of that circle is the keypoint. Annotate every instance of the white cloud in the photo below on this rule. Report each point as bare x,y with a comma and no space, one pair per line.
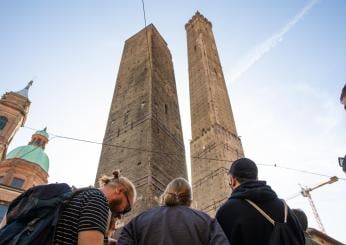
257,53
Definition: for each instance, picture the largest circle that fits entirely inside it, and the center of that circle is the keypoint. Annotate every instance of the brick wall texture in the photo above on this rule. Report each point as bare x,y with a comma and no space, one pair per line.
144,115
214,134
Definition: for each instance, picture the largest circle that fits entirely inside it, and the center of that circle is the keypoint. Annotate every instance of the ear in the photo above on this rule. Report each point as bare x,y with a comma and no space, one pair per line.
233,182
230,180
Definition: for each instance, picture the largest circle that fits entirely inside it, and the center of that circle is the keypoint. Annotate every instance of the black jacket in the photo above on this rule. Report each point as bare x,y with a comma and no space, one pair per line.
243,224
178,225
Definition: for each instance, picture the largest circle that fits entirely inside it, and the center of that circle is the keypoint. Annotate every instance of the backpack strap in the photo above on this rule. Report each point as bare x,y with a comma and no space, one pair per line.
286,211
264,214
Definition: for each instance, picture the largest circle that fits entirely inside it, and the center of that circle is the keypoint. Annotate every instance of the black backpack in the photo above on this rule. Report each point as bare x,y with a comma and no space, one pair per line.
282,233
32,217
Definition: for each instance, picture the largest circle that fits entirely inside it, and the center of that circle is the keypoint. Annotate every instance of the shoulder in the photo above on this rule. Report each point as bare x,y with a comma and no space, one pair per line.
90,199
200,214
89,194
145,214
230,205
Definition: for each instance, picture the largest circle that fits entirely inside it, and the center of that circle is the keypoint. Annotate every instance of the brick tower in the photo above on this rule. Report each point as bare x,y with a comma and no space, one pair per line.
214,134
144,115
14,107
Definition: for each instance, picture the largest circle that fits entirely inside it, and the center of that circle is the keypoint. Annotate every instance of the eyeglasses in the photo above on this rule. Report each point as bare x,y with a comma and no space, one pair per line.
128,208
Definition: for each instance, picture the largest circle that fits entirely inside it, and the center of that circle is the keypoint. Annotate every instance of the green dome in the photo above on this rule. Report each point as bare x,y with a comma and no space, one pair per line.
32,154
43,133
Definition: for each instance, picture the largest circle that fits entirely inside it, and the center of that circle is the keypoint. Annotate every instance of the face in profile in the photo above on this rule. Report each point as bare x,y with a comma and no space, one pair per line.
120,204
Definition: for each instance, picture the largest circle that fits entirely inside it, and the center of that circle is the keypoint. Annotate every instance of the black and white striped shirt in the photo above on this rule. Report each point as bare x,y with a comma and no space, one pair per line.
87,210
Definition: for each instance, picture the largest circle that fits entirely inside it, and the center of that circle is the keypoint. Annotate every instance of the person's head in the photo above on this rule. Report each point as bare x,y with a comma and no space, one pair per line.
178,192
242,170
120,193
301,216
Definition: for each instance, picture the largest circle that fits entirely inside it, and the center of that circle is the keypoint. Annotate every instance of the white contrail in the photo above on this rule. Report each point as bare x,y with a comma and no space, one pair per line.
254,55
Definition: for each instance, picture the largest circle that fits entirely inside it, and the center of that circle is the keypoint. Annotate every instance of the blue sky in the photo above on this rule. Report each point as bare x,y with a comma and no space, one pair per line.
286,103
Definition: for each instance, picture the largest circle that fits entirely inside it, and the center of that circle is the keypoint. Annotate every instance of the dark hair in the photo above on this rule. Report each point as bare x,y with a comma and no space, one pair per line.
244,169
241,180
301,216
343,93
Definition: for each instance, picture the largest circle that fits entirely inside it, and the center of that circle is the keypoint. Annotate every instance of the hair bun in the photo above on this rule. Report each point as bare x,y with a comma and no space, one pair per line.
116,174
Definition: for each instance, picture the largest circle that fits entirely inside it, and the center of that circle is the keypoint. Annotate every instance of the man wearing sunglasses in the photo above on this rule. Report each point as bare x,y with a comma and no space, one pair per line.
85,219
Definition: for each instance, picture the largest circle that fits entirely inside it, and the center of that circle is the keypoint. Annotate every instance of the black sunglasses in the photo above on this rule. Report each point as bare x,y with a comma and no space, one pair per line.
128,208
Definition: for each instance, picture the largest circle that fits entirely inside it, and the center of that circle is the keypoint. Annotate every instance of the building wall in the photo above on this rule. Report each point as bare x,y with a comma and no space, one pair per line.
15,108
30,173
215,143
321,238
145,115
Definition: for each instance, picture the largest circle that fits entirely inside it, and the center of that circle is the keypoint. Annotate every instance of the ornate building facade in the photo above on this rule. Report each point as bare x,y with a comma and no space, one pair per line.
215,142
24,166
143,136
14,107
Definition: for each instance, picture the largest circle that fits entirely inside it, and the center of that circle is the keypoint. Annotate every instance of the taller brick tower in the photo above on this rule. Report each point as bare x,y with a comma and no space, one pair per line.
214,134
14,107
145,115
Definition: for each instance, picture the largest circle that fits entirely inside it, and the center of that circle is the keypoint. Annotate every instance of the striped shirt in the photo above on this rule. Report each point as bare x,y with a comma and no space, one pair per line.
87,210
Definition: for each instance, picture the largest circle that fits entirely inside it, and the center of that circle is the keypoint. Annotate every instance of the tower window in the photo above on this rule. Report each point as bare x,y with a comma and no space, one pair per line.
3,210
204,131
126,117
17,183
166,108
3,122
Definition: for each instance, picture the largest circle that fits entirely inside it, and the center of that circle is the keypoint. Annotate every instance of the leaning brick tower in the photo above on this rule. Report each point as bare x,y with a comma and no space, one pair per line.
214,134
143,136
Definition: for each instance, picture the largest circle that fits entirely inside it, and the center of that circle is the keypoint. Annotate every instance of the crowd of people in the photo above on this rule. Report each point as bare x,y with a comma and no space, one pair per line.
253,215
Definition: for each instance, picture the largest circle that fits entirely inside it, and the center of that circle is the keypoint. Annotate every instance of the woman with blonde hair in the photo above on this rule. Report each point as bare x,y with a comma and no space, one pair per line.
174,222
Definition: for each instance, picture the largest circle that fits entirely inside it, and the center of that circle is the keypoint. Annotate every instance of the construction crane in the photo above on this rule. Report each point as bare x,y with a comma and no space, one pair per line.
306,193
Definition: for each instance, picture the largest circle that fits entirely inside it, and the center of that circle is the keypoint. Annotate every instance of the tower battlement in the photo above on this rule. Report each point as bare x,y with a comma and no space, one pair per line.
198,17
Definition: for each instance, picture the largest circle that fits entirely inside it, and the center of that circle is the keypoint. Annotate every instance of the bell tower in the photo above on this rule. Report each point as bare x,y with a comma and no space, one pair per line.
14,107
215,142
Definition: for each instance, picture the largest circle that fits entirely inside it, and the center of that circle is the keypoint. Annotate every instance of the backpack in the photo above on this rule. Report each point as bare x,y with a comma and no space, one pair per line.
33,216
282,233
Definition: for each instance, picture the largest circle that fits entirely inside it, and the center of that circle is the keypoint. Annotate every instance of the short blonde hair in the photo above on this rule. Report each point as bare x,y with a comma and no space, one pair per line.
117,180
178,192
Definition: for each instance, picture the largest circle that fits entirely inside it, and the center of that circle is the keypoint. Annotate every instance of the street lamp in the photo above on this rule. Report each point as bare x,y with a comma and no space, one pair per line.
343,97
342,163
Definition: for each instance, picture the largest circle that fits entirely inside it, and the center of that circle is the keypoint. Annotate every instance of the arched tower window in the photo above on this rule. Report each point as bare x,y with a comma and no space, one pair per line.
3,122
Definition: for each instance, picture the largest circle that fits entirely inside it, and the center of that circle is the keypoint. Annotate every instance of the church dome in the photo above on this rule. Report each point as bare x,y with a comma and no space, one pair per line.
43,132
31,153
